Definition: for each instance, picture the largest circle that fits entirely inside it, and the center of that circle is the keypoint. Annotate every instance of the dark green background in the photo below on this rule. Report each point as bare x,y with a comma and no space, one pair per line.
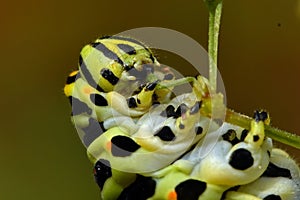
41,156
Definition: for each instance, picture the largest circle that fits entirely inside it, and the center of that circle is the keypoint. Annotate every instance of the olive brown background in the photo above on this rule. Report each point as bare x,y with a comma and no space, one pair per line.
41,156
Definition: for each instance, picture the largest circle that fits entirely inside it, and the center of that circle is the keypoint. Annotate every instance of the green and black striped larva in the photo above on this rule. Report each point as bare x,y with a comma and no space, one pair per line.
147,144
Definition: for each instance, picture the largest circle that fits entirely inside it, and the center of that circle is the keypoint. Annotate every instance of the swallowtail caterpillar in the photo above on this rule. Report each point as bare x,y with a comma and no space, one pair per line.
145,144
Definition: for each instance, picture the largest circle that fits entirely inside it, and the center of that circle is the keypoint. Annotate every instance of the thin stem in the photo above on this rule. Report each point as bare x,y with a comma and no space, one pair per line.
215,12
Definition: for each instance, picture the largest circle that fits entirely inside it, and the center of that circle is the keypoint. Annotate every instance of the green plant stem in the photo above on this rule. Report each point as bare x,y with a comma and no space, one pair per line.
274,133
215,12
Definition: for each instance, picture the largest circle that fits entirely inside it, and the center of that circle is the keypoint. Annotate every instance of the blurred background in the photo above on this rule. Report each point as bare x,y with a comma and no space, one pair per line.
41,156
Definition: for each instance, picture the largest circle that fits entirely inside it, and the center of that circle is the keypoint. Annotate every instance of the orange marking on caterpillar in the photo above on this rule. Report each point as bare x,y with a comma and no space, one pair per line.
87,90
108,146
172,195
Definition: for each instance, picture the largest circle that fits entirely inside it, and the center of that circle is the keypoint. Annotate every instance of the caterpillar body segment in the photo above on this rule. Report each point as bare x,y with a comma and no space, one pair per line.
182,180
163,135
236,161
281,180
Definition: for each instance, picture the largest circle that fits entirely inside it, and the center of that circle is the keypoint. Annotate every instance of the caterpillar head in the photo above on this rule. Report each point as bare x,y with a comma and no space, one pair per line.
107,60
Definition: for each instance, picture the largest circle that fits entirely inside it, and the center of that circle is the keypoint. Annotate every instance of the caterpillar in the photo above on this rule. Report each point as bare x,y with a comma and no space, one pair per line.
145,144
